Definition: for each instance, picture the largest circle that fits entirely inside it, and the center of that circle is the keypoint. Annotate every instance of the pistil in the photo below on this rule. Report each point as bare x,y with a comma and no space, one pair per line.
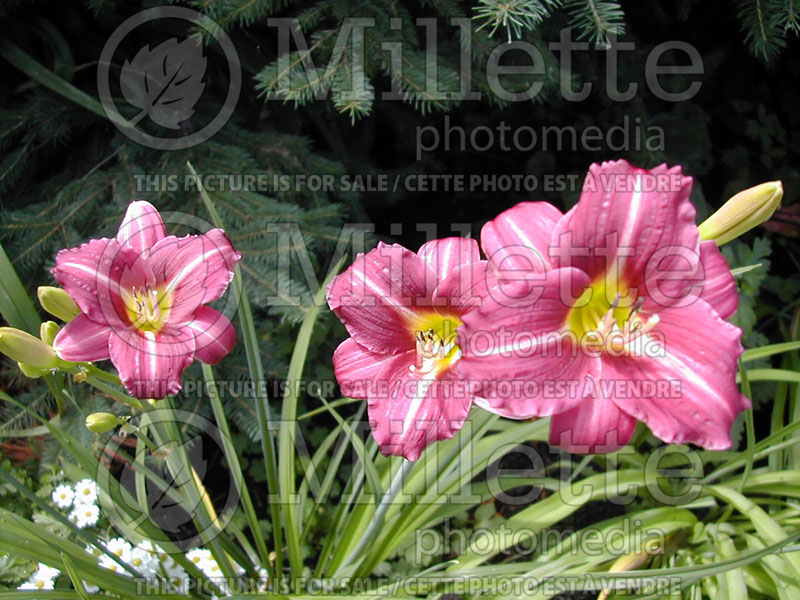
615,340
147,313
431,349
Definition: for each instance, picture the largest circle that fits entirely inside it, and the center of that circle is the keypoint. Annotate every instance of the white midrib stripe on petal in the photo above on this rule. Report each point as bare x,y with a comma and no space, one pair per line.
195,326
86,269
626,237
688,374
124,233
528,243
175,281
438,256
381,293
422,390
151,350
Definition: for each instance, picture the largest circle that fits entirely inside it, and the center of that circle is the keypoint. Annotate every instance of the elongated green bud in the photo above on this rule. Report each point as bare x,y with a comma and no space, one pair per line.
100,422
745,210
48,331
32,372
24,348
58,303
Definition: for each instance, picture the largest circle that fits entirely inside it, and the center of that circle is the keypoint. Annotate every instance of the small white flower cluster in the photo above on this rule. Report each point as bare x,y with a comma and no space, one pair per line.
43,579
83,500
152,563
148,559
206,563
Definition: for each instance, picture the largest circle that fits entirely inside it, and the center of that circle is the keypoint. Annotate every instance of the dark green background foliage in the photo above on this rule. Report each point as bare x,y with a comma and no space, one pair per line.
67,174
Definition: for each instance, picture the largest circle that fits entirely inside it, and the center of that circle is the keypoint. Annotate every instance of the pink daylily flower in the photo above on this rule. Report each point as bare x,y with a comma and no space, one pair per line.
142,298
402,310
620,316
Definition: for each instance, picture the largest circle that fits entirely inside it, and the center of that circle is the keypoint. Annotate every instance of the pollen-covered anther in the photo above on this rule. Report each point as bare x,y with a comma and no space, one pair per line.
147,307
432,350
429,344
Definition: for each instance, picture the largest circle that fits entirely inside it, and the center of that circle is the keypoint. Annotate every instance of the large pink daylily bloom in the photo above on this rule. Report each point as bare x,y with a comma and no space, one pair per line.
142,298
402,310
620,316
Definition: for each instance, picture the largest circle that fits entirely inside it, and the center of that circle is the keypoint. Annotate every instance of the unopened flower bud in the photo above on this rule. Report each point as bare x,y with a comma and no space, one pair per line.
24,348
48,331
58,303
32,372
100,422
745,210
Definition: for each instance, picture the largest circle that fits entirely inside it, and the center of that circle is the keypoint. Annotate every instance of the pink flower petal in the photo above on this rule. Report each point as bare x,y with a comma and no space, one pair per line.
719,287
519,238
446,254
689,394
625,218
516,355
467,286
141,228
377,297
693,274
595,426
150,364
99,274
214,335
357,368
196,269
408,412
82,340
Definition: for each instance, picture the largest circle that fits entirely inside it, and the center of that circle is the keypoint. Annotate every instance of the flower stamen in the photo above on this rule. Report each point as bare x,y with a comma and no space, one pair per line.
616,329
145,308
434,348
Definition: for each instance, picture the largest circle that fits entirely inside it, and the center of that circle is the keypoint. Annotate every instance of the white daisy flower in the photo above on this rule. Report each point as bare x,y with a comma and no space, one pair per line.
211,569
170,566
62,496
85,515
179,582
43,579
148,546
200,557
143,561
174,573
108,563
120,548
85,492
